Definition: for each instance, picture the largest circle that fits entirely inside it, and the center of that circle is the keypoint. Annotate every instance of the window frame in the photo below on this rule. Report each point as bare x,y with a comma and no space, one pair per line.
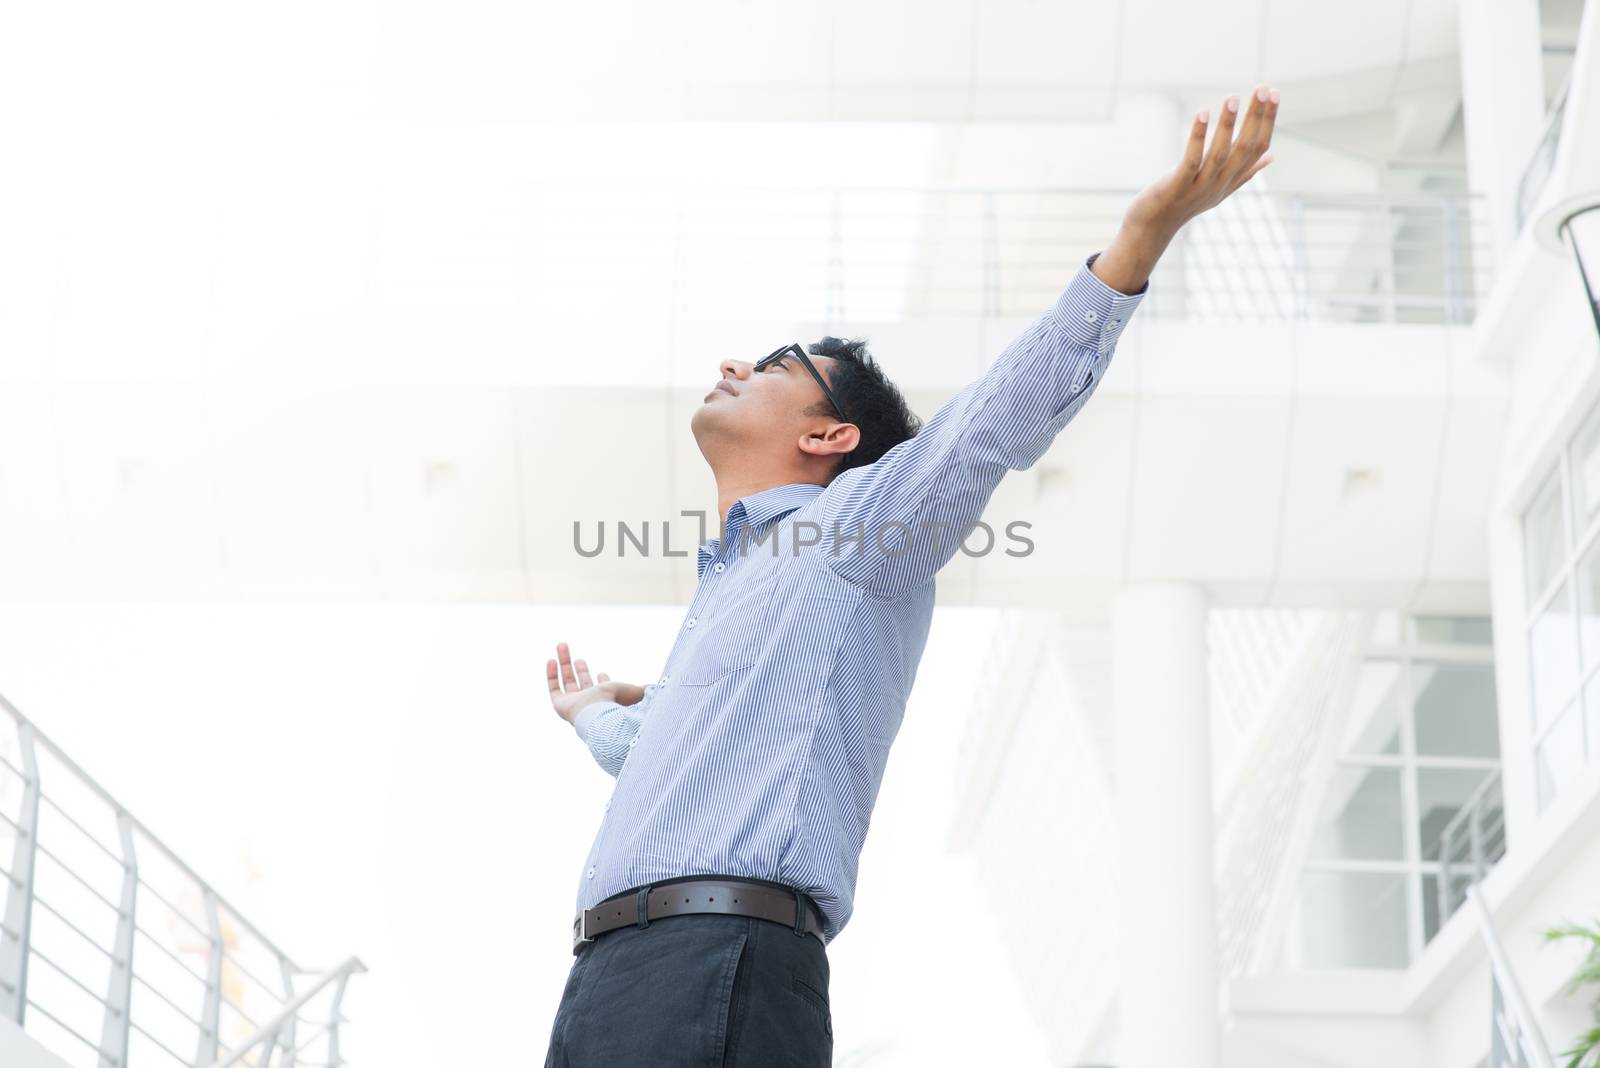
1407,653
1575,545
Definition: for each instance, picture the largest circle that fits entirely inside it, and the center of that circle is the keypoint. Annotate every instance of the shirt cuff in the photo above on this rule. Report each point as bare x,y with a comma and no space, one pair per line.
1091,313
588,714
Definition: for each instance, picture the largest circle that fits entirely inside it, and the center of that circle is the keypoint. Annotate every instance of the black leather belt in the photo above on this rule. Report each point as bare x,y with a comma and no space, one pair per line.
699,895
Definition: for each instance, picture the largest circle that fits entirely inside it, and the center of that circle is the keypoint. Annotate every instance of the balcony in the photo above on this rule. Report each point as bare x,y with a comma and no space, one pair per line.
888,254
114,953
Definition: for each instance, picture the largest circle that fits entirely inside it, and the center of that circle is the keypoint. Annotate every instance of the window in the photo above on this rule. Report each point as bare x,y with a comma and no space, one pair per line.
1561,569
1411,809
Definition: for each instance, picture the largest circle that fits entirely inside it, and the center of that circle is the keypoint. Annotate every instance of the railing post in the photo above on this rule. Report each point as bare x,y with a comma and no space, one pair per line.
991,257
119,988
1442,891
211,1013
288,1039
1300,258
1452,292
1480,860
334,1058
1391,219
19,896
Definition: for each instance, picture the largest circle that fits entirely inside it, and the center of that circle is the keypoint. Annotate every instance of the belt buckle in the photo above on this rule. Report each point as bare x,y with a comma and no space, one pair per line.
580,930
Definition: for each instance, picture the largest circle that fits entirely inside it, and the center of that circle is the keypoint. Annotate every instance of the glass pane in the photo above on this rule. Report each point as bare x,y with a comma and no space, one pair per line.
1353,920
1455,710
1553,657
1560,755
1586,469
1589,604
1362,817
1441,794
1373,726
1456,630
1543,546
1433,905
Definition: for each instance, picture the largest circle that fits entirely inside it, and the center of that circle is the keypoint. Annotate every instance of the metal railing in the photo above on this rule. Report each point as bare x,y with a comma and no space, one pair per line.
1542,161
1515,1039
897,253
1470,844
115,954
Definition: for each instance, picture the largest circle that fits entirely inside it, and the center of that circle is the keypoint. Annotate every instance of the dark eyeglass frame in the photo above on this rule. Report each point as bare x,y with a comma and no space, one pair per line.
796,351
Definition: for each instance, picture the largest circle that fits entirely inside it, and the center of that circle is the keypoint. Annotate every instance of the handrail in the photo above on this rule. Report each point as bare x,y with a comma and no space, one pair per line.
1484,837
1471,804
994,252
1541,161
71,765
129,907
1527,1034
269,1030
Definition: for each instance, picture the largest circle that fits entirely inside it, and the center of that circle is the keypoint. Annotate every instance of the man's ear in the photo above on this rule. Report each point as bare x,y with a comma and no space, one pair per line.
836,440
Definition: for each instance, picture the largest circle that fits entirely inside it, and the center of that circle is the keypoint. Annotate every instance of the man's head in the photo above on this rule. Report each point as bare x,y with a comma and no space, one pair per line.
779,419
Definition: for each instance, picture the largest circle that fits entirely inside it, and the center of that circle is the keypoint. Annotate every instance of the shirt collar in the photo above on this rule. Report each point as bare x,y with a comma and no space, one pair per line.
756,511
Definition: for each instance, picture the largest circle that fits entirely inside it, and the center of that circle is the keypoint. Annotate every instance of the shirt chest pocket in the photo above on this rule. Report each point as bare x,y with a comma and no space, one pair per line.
726,636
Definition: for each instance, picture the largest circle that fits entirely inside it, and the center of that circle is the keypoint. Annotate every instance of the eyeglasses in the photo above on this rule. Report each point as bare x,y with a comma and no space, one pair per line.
796,351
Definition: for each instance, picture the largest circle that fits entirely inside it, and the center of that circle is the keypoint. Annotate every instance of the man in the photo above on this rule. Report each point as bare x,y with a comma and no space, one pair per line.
746,775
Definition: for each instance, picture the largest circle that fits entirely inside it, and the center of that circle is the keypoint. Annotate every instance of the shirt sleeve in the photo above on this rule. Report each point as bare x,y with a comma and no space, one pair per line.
890,526
608,728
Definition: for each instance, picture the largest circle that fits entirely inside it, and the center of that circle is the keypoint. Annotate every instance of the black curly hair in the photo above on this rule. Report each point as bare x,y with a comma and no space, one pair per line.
870,401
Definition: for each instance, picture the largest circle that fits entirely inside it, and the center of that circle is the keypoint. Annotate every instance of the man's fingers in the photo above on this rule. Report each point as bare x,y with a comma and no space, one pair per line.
1254,115
1255,135
552,678
569,679
602,677
1222,136
584,681
1194,151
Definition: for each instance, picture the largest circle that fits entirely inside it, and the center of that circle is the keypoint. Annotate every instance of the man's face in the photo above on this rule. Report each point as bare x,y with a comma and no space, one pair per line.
752,408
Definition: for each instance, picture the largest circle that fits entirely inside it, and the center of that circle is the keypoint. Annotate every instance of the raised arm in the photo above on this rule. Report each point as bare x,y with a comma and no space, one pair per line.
891,525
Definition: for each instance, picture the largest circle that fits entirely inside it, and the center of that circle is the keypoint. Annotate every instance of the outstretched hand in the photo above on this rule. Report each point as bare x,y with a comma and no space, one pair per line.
1203,178
571,688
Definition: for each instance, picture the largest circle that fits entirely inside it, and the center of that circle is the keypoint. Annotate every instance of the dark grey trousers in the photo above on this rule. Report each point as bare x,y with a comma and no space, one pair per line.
707,991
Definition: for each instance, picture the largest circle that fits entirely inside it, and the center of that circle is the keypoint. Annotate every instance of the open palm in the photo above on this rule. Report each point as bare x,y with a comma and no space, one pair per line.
1205,177
571,688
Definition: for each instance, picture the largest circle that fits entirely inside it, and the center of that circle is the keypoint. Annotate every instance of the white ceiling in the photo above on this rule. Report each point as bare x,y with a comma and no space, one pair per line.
762,59
919,60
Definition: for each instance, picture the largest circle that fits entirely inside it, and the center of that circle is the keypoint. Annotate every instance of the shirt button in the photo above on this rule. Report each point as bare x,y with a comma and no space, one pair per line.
1090,316
633,741
591,873
608,806
690,623
664,679
718,567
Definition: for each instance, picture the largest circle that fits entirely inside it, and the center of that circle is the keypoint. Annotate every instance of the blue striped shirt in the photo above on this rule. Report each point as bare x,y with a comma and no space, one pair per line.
760,750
